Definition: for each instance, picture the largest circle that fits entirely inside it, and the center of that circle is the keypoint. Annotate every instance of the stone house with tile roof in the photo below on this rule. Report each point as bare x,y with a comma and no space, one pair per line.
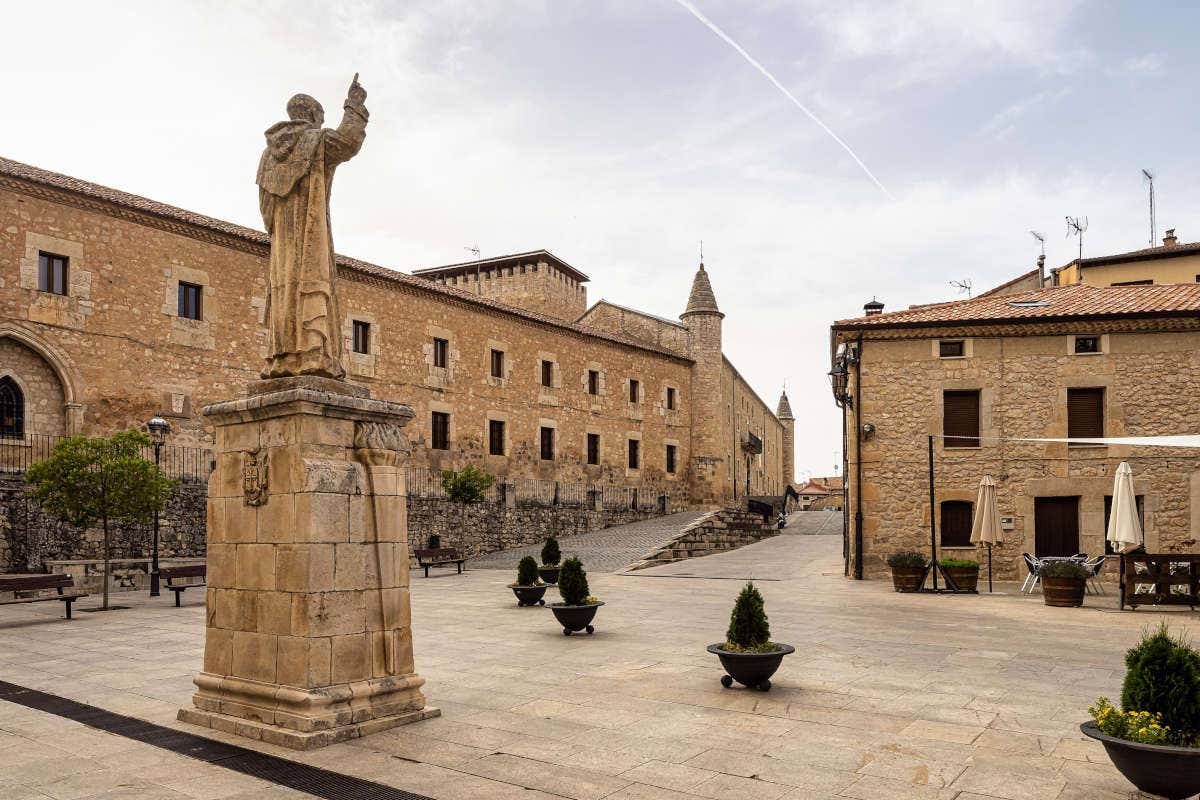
114,308
978,375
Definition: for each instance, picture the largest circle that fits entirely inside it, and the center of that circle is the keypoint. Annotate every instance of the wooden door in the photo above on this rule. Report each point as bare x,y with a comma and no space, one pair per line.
1056,526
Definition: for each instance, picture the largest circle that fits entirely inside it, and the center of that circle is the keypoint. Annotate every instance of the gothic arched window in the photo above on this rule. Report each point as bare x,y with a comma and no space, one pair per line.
12,408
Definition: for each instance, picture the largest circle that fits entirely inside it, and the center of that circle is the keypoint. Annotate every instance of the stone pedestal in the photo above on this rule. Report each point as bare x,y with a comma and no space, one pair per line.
308,638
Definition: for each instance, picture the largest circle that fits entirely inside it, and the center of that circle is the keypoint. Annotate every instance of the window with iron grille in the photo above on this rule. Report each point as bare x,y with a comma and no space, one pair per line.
1085,413
670,398
497,363
635,452
191,298
547,444
496,437
634,390
956,523
440,438
12,409
441,353
951,348
362,336
671,459
1087,344
53,273
960,418
593,448
593,381
547,373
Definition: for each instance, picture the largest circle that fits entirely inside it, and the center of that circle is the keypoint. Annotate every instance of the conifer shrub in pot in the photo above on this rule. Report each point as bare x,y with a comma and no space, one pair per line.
1063,583
963,571
908,570
529,588
551,555
1154,739
748,654
578,608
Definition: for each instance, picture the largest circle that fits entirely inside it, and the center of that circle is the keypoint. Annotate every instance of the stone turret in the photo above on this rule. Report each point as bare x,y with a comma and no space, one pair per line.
784,412
710,420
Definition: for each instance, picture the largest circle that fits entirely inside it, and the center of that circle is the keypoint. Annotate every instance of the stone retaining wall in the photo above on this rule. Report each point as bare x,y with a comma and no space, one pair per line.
715,532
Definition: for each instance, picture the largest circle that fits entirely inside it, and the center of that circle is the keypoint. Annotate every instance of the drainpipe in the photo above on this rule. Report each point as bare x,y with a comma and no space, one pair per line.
858,515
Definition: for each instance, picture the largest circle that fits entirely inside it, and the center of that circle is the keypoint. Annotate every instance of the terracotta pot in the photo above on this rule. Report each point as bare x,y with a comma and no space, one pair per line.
1157,769
1063,592
908,579
965,578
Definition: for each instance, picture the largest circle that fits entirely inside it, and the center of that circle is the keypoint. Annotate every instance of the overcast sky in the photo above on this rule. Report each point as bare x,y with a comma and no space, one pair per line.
618,134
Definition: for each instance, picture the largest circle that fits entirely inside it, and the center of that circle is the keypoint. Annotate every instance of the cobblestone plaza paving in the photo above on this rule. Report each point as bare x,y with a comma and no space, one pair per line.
887,695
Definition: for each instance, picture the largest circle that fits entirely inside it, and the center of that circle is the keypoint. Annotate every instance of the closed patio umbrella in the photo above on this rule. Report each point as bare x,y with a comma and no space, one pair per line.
985,528
1124,527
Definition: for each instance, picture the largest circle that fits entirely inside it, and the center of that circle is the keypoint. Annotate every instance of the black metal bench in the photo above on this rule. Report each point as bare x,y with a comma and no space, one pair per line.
436,557
184,571
19,584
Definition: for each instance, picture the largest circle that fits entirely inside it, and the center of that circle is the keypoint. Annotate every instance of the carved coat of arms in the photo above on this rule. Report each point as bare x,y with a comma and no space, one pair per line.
254,477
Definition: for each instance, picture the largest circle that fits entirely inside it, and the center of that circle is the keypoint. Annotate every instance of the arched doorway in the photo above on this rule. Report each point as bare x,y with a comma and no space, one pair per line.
37,382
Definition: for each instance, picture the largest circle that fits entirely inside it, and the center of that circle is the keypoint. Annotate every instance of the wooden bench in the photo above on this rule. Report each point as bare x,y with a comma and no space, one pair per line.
438,556
184,571
36,583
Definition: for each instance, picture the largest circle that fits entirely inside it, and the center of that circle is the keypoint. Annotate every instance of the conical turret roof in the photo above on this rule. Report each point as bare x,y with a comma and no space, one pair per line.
785,408
702,300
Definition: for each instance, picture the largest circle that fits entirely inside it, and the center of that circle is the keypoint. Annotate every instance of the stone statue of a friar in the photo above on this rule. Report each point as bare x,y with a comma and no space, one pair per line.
295,176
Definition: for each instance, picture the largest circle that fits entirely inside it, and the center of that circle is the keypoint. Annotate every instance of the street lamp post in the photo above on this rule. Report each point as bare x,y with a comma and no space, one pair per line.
159,428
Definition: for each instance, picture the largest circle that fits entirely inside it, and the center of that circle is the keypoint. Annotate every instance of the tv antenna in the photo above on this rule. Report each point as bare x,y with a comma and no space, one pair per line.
1076,227
1041,237
474,250
963,286
1149,176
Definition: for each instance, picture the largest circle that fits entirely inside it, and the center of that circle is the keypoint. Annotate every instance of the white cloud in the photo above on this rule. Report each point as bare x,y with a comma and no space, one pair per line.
1148,65
1004,123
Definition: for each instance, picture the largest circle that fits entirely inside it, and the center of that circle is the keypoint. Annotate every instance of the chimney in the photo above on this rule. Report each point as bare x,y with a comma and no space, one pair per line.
873,308
1041,270
1170,240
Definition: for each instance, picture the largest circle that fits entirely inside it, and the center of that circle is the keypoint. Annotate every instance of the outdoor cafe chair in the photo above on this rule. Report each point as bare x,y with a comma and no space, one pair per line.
1031,580
1094,566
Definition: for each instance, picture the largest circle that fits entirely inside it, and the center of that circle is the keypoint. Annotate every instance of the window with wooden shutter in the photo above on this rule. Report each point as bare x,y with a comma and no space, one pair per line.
496,437
547,444
956,523
440,433
593,448
1085,413
960,418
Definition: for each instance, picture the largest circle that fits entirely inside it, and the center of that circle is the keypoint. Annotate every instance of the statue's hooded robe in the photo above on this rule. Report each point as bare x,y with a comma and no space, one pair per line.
295,176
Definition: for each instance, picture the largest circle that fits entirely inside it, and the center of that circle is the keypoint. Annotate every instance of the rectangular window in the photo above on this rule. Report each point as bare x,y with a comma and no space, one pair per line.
1087,344
440,438
547,373
362,336
960,418
52,273
547,444
635,448
1085,413
1147,282
497,363
670,398
956,523
441,353
951,349
190,299
671,459
496,437
593,382
593,448
634,390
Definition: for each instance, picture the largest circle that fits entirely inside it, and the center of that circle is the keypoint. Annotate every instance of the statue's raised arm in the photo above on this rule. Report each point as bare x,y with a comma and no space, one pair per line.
348,138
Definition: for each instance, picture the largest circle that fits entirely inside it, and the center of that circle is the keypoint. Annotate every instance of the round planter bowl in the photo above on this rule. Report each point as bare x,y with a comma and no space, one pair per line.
549,574
576,618
965,578
1158,769
908,579
1063,592
529,595
752,670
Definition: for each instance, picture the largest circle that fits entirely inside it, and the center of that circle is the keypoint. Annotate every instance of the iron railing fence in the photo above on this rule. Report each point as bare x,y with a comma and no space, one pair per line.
424,482
17,454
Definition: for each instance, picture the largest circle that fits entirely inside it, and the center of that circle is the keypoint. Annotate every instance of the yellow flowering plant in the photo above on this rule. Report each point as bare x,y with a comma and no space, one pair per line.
1133,726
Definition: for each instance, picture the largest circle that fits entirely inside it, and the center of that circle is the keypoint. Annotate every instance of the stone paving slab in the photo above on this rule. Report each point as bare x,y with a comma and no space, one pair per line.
888,696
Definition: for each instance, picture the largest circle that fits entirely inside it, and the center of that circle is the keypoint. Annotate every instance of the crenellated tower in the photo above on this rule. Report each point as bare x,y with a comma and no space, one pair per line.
784,412
710,420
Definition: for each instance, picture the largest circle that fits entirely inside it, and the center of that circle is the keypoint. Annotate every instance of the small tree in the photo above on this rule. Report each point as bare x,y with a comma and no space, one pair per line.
551,555
748,627
97,480
468,485
527,573
1162,675
572,583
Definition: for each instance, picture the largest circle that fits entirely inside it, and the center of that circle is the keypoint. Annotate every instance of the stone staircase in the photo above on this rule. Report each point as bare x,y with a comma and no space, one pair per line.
714,532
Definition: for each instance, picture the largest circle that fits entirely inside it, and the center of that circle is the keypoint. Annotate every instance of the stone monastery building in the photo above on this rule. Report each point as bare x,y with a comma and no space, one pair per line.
114,308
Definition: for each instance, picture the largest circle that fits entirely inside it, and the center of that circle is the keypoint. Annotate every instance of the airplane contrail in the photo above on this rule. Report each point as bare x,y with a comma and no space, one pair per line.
695,12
